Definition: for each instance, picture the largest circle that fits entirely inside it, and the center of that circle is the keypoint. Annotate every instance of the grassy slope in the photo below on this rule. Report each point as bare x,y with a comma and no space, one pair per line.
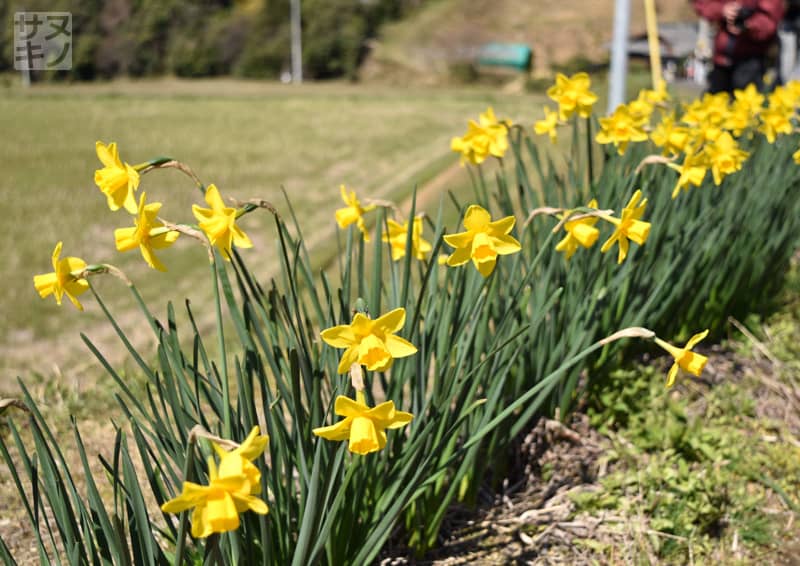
248,138
557,31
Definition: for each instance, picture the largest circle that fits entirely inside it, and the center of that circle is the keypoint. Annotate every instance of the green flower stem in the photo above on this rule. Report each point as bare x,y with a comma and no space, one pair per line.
547,381
153,163
246,209
226,396
168,162
236,552
590,160
103,268
531,270
100,269
180,543
251,205
166,229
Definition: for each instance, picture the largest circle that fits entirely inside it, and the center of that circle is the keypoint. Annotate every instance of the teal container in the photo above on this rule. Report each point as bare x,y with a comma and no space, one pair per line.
514,55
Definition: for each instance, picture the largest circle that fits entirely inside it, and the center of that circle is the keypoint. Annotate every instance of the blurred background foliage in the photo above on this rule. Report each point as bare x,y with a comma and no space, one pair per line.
247,38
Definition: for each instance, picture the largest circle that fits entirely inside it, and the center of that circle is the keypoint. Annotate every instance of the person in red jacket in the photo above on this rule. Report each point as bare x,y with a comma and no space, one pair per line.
746,29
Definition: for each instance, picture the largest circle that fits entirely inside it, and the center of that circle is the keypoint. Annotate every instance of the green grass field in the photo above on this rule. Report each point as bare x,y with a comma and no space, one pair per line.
248,138
252,138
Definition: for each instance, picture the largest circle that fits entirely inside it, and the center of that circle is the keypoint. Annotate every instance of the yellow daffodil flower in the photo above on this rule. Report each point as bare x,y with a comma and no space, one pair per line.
796,156
148,234
397,236
240,459
629,227
232,489
573,95
371,343
655,96
724,157
497,130
219,223
579,232
64,280
620,128
548,125
692,172
685,359
353,212
472,146
365,428
776,120
793,88
739,119
117,180
484,138
483,241
672,137
749,98
701,135
783,97
711,110
640,111
488,119
747,105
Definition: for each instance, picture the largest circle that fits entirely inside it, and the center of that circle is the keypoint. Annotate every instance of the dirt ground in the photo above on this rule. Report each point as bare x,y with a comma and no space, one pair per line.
533,519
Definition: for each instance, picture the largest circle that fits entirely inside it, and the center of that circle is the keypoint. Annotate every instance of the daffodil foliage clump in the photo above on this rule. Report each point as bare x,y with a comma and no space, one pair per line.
329,412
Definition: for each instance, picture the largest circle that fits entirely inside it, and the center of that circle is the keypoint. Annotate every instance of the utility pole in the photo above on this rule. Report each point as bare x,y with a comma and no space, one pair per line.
653,43
619,54
297,42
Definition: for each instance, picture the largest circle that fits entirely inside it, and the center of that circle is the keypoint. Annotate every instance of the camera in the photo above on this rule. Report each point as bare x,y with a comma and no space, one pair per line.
742,16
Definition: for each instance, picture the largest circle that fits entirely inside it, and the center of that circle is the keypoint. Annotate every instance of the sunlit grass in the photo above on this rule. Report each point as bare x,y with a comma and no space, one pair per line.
248,138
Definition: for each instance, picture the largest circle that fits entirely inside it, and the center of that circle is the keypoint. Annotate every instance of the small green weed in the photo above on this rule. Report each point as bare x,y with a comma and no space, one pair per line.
694,462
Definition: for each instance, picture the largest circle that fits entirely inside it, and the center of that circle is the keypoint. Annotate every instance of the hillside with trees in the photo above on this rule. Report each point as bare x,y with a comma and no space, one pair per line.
246,38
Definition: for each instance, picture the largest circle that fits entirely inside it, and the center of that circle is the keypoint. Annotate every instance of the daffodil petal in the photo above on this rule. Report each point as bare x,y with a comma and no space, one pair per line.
460,240
476,218
107,154
340,336
213,198
191,495
673,372
399,347
349,357
392,321
502,226
505,245
346,407
695,339
338,431
459,257
400,420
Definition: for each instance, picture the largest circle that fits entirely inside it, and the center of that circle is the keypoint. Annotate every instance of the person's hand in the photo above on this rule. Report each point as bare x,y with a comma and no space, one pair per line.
729,12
